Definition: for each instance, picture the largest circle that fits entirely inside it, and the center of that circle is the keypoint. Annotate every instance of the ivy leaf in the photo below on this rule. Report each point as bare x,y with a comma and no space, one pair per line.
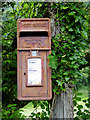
66,78
84,34
78,94
79,107
70,29
86,111
72,13
85,101
65,73
88,105
78,98
53,61
62,28
60,83
57,92
55,89
77,18
75,110
42,106
64,7
75,103
63,56
79,113
53,76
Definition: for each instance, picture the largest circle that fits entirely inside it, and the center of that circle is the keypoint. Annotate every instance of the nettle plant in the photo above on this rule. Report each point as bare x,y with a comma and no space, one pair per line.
67,55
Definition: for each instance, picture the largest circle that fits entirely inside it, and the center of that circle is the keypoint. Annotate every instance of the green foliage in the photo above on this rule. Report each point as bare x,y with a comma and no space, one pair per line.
10,13
83,80
10,112
71,42
81,111
68,50
45,110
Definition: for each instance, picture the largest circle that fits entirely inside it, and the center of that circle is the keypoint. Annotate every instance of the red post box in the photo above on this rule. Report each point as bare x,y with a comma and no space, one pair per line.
33,47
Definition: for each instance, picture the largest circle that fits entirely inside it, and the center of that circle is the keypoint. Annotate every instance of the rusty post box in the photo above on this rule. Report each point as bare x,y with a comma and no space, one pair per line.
33,47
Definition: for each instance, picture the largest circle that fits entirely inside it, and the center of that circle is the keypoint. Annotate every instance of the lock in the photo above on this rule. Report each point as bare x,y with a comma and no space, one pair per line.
33,47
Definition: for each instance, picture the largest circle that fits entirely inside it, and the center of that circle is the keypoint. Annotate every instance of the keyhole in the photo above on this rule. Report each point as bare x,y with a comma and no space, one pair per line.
24,73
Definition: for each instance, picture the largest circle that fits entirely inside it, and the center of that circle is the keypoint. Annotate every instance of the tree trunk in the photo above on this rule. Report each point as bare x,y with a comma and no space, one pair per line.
63,106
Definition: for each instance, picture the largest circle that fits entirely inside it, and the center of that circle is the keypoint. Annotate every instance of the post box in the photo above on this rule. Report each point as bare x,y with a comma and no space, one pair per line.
33,47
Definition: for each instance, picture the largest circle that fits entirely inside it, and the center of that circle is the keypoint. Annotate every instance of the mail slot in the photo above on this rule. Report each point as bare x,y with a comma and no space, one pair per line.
33,47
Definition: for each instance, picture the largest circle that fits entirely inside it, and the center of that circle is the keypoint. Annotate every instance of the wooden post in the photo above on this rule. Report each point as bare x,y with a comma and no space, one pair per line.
62,105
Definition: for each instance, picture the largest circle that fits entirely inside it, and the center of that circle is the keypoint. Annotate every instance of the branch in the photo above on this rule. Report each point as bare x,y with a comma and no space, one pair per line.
53,105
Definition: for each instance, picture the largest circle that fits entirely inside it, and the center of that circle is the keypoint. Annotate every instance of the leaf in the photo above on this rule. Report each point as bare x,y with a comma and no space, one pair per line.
64,7
71,58
57,92
59,83
66,78
75,103
63,89
79,106
73,62
10,105
87,111
73,42
79,113
72,13
62,28
53,76
65,73
78,98
88,105
75,110
85,62
76,18
85,101
79,94
63,56
73,82
53,61
42,106
55,89
70,29
84,34
38,114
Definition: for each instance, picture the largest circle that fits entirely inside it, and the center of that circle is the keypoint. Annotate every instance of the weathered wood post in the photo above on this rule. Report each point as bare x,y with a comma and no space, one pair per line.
62,106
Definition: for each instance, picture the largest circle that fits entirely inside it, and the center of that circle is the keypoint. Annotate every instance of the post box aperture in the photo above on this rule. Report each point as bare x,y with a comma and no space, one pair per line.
33,48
